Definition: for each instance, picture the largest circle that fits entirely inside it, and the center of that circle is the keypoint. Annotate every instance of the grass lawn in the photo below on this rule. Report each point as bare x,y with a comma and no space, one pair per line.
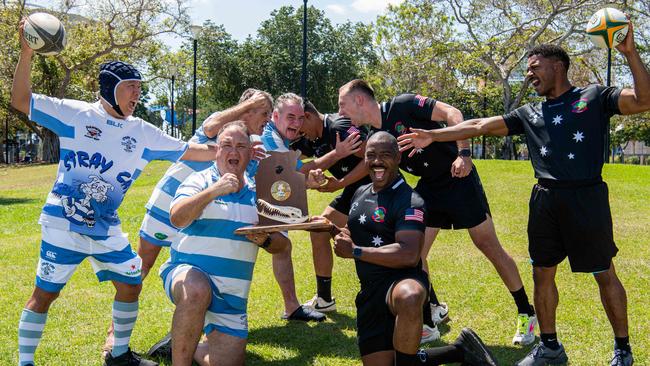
462,276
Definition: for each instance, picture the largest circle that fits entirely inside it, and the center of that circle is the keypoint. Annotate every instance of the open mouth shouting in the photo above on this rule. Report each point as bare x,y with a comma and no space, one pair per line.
378,172
233,163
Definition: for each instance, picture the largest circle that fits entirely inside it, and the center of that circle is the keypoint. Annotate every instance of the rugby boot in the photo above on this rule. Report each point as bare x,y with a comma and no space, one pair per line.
439,313
541,355
321,305
622,358
525,332
129,358
475,352
429,334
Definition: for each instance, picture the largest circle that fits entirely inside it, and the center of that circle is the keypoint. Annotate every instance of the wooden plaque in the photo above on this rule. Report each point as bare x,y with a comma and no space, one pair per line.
282,190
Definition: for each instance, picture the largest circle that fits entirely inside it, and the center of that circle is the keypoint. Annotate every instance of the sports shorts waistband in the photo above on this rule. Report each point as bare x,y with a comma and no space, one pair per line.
551,183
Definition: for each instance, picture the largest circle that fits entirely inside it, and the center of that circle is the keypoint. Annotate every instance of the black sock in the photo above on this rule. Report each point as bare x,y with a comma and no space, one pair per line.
521,299
622,343
427,317
550,340
432,296
404,359
441,355
324,287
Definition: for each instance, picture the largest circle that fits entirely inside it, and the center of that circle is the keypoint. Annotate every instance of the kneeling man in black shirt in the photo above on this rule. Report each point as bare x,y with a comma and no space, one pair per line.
384,234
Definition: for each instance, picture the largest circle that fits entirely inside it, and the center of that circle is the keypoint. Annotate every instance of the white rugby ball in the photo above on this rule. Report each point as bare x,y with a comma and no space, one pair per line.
44,34
607,27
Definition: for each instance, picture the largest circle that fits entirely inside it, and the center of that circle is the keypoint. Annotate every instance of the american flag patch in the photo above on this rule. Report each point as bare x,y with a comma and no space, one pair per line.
420,100
352,130
413,214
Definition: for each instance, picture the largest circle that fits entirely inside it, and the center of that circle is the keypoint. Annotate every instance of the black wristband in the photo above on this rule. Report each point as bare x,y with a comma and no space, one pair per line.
466,153
266,243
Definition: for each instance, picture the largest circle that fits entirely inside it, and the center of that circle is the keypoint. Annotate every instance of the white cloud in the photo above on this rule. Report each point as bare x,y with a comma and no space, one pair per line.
373,6
336,8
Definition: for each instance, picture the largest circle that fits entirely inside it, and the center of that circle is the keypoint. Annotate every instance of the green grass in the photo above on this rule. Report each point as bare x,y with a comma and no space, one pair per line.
462,276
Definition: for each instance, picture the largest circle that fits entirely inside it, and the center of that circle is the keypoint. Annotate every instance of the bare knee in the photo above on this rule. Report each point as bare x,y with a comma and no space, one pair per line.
608,278
193,291
148,253
41,300
127,292
408,296
544,277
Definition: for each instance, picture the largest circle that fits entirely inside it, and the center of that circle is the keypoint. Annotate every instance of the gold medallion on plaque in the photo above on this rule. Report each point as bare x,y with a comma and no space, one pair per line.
280,190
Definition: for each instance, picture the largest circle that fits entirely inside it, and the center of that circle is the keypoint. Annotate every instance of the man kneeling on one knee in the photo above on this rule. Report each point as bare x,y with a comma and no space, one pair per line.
209,273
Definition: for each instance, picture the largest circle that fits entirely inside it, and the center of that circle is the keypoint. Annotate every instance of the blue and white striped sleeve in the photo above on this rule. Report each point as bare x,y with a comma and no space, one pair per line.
161,146
54,114
191,186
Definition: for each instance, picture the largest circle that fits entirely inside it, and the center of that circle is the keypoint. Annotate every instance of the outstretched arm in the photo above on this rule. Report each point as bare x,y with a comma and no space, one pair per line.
637,100
353,176
21,89
199,152
419,139
349,146
462,166
214,123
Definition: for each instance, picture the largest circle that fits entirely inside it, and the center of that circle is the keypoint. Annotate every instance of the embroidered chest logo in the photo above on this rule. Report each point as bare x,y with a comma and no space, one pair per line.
379,215
579,105
128,143
93,133
400,128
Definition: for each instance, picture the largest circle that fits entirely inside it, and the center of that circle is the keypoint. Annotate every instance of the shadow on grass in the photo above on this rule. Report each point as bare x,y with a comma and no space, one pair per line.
307,342
16,201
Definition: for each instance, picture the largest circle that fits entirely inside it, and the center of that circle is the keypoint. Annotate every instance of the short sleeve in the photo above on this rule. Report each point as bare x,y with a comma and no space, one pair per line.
194,184
514,121
345,128
608,97
419,107
54,114
411,217
161,146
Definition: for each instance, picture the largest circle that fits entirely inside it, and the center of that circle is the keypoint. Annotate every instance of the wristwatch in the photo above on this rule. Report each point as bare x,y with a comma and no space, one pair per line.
356,252
466,153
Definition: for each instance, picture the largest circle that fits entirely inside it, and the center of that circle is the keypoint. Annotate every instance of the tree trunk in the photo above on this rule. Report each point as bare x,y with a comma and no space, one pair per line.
50,146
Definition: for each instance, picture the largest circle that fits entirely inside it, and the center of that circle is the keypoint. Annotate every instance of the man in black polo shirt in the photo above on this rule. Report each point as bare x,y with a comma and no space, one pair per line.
569,207
449,184
320,134
384,234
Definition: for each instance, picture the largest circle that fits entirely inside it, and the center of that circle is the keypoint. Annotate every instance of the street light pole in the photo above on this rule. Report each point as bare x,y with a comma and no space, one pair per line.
194,92
7,139
172,114
303,83
196,31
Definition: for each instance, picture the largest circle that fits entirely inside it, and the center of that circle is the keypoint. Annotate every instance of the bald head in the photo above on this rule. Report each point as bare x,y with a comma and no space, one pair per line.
382,159
383,137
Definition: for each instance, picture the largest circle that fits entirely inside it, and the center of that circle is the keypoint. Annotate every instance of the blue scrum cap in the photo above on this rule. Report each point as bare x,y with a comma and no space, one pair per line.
111,74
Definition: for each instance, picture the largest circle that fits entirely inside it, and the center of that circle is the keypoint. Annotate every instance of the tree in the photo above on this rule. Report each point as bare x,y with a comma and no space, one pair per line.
336,54
97,32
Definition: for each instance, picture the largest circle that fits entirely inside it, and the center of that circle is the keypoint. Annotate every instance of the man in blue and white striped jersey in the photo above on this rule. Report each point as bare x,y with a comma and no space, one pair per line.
209,273
104,148
285,126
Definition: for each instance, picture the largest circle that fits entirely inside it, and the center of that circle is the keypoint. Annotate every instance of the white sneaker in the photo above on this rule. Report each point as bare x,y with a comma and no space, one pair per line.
429,334
319,304
525,333
439,313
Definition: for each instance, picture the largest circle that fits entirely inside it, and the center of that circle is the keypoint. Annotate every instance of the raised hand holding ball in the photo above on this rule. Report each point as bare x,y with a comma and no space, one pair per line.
607,27
44,33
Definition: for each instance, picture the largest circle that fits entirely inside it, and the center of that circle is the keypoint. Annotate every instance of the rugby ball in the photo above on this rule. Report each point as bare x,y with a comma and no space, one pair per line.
44,34
607,27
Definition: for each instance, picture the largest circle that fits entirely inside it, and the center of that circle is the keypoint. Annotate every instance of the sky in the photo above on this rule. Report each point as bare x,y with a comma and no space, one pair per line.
241,18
